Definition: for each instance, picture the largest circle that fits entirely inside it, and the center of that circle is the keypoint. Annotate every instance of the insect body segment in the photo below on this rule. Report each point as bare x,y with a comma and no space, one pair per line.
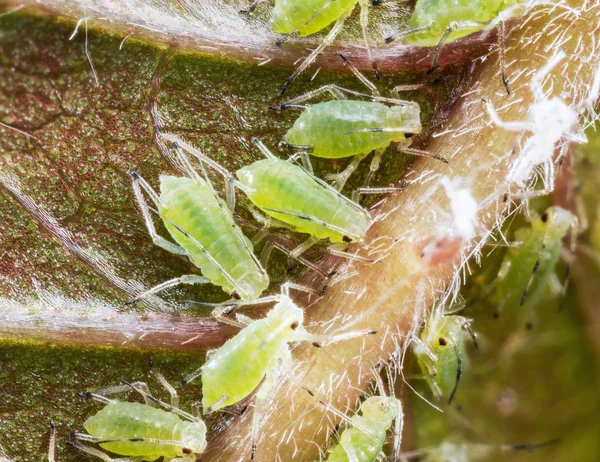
527,269
290,194
307,17
377,416
327,127
463,16
191,205
121,420
143,431
203,226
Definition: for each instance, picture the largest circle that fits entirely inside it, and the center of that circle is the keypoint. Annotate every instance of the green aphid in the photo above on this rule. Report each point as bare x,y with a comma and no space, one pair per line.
143,431
205,231
297,199
440,351
366,435
344,128
252,357
528,268
300,18
436,22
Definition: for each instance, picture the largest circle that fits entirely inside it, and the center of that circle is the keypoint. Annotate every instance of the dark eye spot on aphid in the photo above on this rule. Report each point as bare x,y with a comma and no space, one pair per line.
505,198
317,344
529,326
376,2
442,341
235,295
347,239
186,450
545,217
408,135
294,325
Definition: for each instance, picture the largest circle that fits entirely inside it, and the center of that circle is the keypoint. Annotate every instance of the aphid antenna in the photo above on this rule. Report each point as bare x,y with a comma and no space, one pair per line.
252,6
340,414
319,11
299,258
173,409
96,397
575,229
263,149
407,33
458,372
370,85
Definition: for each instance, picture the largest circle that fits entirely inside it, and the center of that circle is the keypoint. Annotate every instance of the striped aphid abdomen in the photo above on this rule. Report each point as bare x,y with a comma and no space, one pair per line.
239,366
289,16
442,13
286,187
324,126
120,420
192,206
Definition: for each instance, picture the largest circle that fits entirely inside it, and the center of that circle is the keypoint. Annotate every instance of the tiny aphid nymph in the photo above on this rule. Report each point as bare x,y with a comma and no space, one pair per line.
204,229
306,17
345,127
436,22
528,268
253,356
143,431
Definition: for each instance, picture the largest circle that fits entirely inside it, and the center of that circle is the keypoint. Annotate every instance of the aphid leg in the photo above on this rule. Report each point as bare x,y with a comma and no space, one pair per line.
100,395
197,409
357,193
458,372
165,384
300,249
339,250
536,81
262,396
97,453
319,340
408,87
328,40
304,157
398,426
375,164
52,442
298,258
454,26
370,85
220,315
350,452
418,152
407,33
341,178
185,279
364,23
287,37
140,184
502,48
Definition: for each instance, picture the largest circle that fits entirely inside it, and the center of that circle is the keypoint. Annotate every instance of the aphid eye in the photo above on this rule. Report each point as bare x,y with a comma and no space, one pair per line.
442,341
408,135
545,217
316,344
376,2
235,295
347,239
186,450
294,325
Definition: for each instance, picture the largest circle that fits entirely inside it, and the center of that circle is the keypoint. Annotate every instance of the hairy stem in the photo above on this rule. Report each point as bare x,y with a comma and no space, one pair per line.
387,296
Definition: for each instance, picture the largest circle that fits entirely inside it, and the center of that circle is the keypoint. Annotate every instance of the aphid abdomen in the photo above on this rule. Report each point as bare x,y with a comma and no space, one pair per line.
441,13
193,207
283,186
541,241
366,447
238,367
135,420
323,125
289,16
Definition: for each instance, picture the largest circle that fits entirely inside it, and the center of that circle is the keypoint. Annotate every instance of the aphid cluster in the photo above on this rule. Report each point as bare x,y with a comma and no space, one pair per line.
287,193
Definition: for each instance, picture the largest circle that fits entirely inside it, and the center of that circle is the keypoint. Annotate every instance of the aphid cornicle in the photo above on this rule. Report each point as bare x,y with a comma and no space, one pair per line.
293,196
435,22
344,128
527,269
439,350
143,431
237,368
306,17
204,229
